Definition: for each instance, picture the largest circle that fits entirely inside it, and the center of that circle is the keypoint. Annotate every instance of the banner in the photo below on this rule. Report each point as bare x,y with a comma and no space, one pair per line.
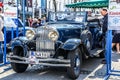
10,13
114,15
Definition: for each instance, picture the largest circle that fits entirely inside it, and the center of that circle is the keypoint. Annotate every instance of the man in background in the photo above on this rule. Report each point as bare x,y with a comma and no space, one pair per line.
104,13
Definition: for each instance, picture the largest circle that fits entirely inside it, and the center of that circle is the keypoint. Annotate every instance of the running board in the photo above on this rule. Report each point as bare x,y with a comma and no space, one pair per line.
96,52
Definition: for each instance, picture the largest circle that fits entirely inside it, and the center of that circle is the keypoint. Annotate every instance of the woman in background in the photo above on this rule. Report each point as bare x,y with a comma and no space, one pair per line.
116,41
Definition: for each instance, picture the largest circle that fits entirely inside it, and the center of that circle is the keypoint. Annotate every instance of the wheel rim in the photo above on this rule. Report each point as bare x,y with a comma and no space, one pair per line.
77,62
77,65
88,44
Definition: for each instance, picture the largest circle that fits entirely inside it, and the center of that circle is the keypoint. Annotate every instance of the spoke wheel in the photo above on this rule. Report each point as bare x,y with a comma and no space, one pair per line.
75,61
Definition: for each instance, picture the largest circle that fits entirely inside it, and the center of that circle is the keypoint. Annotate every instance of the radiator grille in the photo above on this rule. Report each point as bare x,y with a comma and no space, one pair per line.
42,41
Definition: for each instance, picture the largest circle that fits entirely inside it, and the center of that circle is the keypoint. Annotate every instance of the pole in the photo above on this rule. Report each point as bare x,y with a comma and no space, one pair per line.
4,55
17,21
23,5
33,9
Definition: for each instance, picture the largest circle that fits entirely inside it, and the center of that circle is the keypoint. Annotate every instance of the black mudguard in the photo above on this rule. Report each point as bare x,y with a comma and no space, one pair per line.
19,42
71,44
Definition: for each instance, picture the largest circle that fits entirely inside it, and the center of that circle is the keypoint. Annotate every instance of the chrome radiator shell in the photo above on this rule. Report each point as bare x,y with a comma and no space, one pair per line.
43,43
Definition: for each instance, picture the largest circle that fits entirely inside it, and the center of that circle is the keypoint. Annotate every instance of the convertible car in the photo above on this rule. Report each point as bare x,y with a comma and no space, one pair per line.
65,41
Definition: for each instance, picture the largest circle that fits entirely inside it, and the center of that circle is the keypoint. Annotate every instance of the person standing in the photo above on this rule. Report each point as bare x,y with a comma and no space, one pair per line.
104,13
1,35
30,21
43,20
37,23
116,41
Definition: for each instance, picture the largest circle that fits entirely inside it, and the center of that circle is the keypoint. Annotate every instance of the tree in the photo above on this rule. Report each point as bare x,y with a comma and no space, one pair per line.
55,6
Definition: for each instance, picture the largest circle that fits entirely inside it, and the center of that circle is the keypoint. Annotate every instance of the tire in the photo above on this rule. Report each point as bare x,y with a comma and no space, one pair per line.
75,62
18,67
86,38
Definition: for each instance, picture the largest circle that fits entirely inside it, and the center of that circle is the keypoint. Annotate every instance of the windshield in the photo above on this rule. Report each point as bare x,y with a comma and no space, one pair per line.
67,16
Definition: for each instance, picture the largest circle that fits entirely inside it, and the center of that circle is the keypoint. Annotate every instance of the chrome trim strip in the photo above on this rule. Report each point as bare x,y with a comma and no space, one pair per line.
45,62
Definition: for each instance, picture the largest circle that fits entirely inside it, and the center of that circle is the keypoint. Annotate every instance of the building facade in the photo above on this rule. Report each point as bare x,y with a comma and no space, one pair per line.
60,4
37,8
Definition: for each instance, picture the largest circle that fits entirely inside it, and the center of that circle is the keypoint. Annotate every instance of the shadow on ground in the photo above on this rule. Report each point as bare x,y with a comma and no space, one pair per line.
41,73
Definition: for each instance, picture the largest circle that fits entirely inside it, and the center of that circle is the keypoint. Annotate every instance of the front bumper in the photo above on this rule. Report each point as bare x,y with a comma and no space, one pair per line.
45,62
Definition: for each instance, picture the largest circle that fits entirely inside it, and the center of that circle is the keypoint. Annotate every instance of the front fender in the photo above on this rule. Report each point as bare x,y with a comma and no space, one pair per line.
71,44
19,41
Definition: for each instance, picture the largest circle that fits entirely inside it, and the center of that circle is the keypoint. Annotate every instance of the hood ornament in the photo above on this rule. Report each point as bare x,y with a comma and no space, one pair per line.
45,26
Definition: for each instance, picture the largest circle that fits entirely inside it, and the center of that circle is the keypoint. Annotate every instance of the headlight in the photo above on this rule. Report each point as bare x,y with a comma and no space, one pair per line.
53,35
30,34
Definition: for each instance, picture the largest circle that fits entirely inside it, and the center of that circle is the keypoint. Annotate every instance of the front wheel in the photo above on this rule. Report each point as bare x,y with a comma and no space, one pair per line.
75,62
18,67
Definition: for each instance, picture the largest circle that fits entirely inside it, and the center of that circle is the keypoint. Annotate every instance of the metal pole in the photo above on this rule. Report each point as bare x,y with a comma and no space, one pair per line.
12,33
4,56
108,53
107,57
17,21
33,9
110,49
23,5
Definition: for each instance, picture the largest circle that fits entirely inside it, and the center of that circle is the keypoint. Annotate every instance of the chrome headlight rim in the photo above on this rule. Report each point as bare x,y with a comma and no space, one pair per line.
53,35
30,34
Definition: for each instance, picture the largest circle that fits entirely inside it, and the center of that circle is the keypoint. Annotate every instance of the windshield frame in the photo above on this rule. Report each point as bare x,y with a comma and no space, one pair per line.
52,16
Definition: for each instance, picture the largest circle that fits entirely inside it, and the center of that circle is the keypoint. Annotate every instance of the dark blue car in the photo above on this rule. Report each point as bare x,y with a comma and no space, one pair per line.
64,41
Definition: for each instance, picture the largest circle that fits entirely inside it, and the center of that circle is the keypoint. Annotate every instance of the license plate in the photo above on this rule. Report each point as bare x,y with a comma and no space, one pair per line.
42,54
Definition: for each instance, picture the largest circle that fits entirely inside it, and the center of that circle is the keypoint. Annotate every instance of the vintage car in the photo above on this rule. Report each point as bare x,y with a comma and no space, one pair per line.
64,41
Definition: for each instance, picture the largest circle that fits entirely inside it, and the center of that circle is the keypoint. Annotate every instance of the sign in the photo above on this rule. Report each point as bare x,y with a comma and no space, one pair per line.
10,12
114,15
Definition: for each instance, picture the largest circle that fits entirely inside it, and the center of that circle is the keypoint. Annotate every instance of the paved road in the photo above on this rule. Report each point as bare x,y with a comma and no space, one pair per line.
92,69
39,73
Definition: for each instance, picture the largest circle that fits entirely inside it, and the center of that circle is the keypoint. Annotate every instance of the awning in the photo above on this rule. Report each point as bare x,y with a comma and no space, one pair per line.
90,4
